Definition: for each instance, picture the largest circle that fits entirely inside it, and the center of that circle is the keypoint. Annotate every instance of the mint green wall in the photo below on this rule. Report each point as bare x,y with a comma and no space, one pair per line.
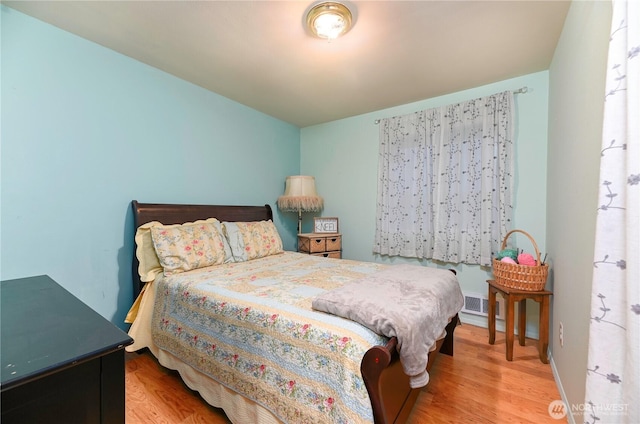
343,157
576,101
85,130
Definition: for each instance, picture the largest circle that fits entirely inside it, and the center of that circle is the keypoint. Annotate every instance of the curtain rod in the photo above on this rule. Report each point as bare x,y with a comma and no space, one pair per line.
521,90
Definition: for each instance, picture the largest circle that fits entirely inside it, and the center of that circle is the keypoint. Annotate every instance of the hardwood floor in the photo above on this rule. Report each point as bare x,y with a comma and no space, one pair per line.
476,385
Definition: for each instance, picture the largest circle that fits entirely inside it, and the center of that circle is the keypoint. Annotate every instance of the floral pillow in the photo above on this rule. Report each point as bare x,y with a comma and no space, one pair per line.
252,240
150,265
189,246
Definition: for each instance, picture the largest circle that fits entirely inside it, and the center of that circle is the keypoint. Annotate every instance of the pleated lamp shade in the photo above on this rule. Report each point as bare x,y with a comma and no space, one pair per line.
300,195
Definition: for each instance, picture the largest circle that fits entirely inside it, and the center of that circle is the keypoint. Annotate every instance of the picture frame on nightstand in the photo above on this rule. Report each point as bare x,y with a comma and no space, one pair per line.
325,225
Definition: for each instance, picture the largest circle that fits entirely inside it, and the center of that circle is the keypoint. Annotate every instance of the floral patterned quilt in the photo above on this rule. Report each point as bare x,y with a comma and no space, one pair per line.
250,326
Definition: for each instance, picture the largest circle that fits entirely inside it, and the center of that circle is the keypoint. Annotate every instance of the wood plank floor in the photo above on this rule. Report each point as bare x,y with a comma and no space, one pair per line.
476,385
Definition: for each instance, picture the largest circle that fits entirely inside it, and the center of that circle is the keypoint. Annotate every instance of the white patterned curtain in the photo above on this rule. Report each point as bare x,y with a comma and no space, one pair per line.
613,366
445,178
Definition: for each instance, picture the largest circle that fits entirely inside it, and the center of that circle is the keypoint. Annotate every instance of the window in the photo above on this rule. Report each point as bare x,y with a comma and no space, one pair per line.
445,178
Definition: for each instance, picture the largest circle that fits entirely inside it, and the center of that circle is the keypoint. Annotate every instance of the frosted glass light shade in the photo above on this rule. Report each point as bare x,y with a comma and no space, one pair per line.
329,20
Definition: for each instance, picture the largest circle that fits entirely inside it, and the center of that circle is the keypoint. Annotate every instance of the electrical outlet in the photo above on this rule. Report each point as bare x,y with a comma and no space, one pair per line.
561,335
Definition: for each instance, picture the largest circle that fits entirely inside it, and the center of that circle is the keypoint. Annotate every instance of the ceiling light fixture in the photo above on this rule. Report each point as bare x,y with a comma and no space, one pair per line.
329,20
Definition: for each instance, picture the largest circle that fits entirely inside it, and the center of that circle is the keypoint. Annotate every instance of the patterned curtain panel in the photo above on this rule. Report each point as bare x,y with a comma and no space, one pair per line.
613,366
445,181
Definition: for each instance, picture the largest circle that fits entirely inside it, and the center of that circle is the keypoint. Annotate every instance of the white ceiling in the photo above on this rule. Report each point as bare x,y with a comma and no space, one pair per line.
260,54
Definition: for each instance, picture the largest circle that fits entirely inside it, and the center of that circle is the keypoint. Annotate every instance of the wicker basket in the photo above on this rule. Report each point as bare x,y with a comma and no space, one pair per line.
521,277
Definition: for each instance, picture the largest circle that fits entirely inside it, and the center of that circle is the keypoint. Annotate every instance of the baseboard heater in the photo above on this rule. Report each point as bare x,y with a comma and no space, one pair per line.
478,304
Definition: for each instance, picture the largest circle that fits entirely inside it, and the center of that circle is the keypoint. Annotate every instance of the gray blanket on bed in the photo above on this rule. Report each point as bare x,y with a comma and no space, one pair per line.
411,302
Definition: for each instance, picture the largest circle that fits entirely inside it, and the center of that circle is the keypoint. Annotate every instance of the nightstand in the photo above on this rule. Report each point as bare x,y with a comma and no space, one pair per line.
318,244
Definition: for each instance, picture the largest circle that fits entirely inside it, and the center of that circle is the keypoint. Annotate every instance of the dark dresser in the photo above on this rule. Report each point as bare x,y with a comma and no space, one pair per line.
61,361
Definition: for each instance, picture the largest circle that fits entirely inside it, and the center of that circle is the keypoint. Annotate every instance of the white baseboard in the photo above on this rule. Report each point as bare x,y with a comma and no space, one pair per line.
563,395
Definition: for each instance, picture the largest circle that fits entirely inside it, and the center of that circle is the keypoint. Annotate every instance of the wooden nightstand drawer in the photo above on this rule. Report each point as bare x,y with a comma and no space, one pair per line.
310,243
334,243
334,255
318,244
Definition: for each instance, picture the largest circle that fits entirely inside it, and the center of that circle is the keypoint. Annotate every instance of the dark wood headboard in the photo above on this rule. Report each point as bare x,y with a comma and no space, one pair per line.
177,214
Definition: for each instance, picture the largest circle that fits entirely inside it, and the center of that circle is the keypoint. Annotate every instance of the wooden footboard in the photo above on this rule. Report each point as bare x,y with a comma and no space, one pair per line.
391,396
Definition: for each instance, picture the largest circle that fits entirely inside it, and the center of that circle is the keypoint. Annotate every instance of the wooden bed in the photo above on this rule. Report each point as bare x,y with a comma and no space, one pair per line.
391,397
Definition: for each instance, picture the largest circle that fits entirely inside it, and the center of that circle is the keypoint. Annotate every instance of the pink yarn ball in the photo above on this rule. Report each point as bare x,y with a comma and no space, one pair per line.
507,260
526,259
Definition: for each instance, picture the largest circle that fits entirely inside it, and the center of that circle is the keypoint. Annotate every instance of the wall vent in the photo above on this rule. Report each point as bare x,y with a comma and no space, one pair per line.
478,304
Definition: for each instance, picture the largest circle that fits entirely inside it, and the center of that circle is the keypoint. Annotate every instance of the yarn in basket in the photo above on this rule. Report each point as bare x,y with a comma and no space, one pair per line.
526,259
507,253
